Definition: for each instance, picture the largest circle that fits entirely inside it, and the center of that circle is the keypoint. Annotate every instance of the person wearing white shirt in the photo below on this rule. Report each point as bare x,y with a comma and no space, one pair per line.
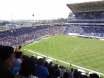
17,60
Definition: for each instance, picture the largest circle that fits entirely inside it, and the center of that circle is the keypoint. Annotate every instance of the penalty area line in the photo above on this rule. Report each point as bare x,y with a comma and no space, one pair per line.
65,62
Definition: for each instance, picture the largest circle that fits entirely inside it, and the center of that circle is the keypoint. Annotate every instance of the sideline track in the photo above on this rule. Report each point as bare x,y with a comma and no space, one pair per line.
65,62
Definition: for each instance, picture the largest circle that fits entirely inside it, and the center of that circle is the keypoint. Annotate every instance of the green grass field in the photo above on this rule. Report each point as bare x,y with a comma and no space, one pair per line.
88,53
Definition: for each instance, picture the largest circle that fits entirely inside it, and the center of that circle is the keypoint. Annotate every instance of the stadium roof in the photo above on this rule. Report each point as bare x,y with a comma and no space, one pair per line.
87,6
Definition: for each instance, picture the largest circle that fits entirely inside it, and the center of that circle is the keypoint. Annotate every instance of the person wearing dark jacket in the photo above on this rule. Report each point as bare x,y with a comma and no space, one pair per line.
6,66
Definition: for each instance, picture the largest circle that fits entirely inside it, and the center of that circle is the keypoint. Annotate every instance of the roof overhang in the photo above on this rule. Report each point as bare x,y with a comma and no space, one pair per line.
86,6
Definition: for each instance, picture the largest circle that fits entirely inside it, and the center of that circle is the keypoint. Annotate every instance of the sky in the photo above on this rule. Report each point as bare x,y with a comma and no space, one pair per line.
42,9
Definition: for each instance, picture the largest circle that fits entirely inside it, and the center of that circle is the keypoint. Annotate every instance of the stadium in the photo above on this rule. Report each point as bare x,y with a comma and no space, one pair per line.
77,44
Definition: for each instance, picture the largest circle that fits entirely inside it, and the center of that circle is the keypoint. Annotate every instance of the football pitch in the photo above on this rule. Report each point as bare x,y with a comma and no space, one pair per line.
87,53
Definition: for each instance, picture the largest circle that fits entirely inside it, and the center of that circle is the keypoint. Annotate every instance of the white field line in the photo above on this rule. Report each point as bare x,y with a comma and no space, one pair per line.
37,41
66,62
75,49
32,43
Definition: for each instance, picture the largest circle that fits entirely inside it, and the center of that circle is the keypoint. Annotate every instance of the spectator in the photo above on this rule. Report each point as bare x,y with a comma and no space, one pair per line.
50,64
24,56
51,70
18,49
93,75
57,74
32,56
71,72
27,68
17,60
76,74
62,71
6,53
66,75
46,64
41,71
84,76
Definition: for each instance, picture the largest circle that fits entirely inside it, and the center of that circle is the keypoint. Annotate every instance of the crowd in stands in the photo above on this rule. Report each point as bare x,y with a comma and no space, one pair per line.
23,66
85,21
89,15
90,23
22,35
86,17
97,31
19,36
